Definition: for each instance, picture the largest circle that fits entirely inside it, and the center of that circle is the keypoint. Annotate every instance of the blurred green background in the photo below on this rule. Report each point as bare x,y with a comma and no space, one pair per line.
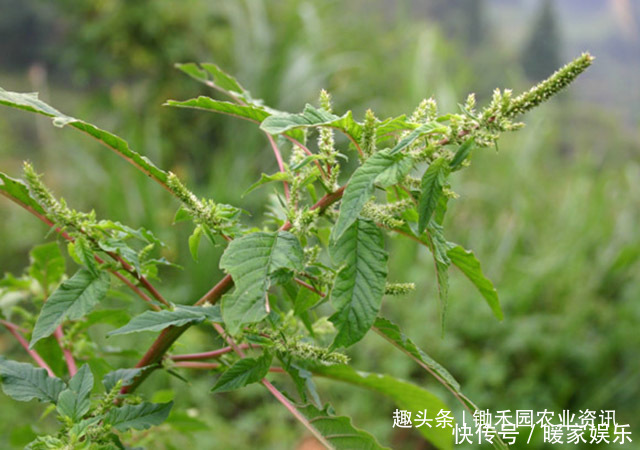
553,215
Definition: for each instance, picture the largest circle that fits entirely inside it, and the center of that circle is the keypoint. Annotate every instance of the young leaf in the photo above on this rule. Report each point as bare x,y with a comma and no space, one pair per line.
264,178
433,181
138,417
432,127
23,382
73,299
211,74
251,260
467,262
461,154
74,402
406,396
159,320
194,242
83,252
382,167
359,286
338,431
245,371
47,264
126,375
18,192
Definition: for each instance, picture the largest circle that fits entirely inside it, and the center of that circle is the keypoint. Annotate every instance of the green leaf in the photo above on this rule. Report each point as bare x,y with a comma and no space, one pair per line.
461,154
383,168
433,181
264,178
338,431
138,417
18,192
252,113
126,375
24,382
392,333
83,252
439,248
181,215
467,262
74,402
252,260
47,264
312,117
194,242
72,300
209,74
31,102
432,127
407,396
245,371
159,320
121,249
394,124
305,299
359,286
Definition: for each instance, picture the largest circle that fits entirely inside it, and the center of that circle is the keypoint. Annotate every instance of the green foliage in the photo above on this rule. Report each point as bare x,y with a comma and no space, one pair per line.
23,382
309,280
72,300
242,373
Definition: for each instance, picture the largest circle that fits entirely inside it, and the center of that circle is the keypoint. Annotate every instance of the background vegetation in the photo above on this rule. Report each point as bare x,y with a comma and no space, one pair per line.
553,215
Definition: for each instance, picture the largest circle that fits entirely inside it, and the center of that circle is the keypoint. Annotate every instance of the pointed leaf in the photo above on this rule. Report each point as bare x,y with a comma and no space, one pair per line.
461,154
159,320
432,127
138,417
359,286
126,375
74,402
440,247
47,264
211,74
252,260
338,431
264,178
194,242
407,396
312,117
23,382
245,371
392,333
18,192
72,300
382,168
31,102
252,113
433,181
467,262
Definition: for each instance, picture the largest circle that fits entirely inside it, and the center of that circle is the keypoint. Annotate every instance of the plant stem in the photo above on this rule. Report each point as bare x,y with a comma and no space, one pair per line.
297,414
208,355
14,330
276,152
68,356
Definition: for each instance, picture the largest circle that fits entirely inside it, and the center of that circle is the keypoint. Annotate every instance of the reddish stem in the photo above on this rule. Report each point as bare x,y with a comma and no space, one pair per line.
68,356
13,329
276,151
208,355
